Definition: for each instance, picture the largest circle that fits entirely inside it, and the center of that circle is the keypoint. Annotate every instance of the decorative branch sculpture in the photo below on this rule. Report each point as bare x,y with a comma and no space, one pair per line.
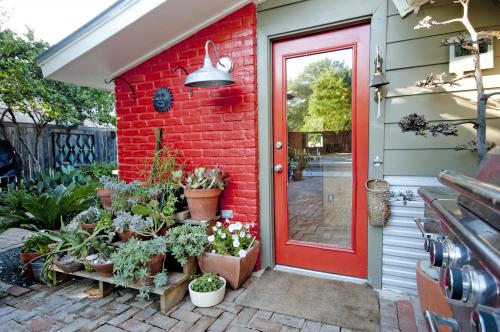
471,42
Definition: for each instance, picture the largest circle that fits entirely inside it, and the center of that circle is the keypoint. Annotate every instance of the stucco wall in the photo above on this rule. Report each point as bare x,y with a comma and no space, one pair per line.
216,126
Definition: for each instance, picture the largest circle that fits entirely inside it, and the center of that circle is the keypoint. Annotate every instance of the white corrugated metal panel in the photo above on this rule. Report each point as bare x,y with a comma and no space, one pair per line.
402,241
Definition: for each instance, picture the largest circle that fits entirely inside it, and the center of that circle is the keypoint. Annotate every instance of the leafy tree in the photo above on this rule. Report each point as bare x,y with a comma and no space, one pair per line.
25,92
299,115
329,105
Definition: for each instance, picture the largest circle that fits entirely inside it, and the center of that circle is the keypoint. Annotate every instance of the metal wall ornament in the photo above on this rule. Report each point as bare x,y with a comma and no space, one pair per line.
378,81
163,99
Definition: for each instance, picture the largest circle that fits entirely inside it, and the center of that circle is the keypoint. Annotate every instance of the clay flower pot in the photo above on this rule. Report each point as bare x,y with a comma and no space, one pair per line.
236,270
207,299
155,266
126,235
202,203
26,258
67,265
88,227
105,270
105,197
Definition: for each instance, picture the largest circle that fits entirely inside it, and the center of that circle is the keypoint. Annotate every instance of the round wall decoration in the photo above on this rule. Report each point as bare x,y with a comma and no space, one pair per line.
163,99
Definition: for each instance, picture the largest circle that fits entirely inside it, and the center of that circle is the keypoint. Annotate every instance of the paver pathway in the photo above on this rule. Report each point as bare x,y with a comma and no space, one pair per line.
73,306
13,238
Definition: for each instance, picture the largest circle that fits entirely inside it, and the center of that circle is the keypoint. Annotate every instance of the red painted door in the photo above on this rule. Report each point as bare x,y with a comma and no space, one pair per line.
320,150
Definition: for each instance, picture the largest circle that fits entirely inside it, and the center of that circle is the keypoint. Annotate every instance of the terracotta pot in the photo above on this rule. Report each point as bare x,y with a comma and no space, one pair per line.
126,235
105,270
88,227
105,197
235,270
172,265
155,266
202,203
68,267
298,175
26,257
430,294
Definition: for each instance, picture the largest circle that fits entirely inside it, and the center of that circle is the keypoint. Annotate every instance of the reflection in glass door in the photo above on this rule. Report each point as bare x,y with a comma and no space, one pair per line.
319,124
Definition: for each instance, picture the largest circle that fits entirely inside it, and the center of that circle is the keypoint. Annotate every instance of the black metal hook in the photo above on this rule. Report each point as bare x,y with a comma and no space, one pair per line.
124,80
173,70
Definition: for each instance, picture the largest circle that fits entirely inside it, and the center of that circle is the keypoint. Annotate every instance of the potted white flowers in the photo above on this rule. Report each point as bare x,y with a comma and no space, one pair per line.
232,253
207,290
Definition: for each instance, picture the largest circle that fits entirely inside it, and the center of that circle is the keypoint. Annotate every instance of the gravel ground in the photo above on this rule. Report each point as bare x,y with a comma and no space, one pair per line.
11,270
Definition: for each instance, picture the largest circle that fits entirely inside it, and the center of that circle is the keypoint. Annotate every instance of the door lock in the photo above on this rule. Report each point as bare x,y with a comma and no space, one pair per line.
278,145
278,168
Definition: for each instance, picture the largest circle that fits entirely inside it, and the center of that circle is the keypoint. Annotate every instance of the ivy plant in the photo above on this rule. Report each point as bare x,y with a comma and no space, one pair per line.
208,282
131,263
186,241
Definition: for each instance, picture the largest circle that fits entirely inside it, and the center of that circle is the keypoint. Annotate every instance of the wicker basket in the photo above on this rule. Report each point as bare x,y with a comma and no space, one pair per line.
377,194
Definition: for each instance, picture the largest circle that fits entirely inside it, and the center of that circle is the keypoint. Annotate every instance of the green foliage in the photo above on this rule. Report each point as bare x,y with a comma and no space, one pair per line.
234,239
96,171
65,176
37,242
208,282
300,116
186,241
47,210
89,216
131,262
202,178
298,159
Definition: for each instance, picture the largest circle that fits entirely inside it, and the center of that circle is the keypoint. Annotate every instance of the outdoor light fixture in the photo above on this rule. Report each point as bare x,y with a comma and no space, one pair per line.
210,76
378,81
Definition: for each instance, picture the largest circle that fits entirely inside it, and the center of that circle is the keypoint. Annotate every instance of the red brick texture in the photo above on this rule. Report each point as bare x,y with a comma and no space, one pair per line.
214,126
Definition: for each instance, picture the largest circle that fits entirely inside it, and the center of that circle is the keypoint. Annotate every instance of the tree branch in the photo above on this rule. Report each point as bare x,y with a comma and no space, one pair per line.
488,95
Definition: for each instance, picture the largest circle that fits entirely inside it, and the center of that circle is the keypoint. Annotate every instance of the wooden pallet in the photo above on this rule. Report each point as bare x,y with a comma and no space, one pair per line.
170,295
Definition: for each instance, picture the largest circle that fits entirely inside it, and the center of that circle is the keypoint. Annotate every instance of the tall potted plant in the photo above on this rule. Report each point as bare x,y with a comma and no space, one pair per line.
35,246
202,190
232,253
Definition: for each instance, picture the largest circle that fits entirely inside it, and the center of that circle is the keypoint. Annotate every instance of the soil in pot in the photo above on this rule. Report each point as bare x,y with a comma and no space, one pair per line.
105,196
207,299
202,203
236,270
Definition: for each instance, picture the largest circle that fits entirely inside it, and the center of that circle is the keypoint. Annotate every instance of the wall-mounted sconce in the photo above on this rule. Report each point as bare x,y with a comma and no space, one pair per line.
173,70
124,80
378,81
208,75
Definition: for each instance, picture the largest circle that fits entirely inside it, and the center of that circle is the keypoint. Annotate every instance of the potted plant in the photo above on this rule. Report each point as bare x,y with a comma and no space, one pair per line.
88,219
35,246
140,263
202,190
232,253
185,243
101,261
298,162
207,290
107,189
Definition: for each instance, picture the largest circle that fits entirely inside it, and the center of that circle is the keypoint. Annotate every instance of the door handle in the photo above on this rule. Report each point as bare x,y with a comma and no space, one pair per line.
278,168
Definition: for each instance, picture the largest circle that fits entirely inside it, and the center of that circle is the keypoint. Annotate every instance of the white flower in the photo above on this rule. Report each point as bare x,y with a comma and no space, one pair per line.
231,228
238,225
220,232
236,244
235,237
213,251
223,235
249,236
242,253
218,224
214,228
247,226
209,280
211,238
242,234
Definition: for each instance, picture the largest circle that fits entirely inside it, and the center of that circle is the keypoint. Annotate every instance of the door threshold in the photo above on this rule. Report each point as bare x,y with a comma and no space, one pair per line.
317,274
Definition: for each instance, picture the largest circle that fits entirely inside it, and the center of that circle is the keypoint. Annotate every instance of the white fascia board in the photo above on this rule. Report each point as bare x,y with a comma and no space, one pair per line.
133,11
171,42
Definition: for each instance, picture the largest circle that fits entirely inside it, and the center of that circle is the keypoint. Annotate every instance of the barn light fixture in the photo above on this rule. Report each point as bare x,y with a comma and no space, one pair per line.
378,81
210,76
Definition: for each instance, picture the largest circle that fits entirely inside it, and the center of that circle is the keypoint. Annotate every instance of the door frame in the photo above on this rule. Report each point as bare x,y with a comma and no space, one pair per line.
352,261
288,18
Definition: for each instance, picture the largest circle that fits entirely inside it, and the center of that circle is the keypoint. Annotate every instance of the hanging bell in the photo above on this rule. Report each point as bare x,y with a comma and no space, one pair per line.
378,79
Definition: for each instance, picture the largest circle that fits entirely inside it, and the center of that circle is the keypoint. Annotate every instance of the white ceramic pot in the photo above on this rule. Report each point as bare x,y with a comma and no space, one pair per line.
208,299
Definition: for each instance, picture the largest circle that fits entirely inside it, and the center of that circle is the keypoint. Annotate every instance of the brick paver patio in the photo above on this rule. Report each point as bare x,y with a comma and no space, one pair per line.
74,306
13,238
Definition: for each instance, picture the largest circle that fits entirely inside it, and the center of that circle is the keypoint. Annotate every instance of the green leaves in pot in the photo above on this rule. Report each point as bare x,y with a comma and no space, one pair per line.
186,241
208,282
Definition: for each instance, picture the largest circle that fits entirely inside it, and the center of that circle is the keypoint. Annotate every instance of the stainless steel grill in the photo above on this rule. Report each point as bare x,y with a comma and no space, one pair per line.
462,236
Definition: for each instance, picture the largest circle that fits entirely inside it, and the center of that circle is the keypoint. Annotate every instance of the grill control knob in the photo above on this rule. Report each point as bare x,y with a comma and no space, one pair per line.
444,253
482,321
428,244
470,286
436,253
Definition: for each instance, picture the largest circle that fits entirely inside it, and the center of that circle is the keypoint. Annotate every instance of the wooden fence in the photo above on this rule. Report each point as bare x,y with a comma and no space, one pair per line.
78,146
338,142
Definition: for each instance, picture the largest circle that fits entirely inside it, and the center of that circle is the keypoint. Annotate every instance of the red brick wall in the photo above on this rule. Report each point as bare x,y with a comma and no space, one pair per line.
214,126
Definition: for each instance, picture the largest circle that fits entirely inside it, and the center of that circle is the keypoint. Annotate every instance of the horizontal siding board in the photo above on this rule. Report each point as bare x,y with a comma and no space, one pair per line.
411,181
402,272
428,162
396,139
481,14
401,232
406,262
403,80
404,252
439,106
391,9
408,242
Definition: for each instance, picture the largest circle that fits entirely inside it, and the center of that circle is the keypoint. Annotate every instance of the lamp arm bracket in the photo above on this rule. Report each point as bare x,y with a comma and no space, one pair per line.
124,80
176,68
215,51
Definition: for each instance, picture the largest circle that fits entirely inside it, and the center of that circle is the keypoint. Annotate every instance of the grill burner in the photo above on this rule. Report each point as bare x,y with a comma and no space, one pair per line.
462,235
